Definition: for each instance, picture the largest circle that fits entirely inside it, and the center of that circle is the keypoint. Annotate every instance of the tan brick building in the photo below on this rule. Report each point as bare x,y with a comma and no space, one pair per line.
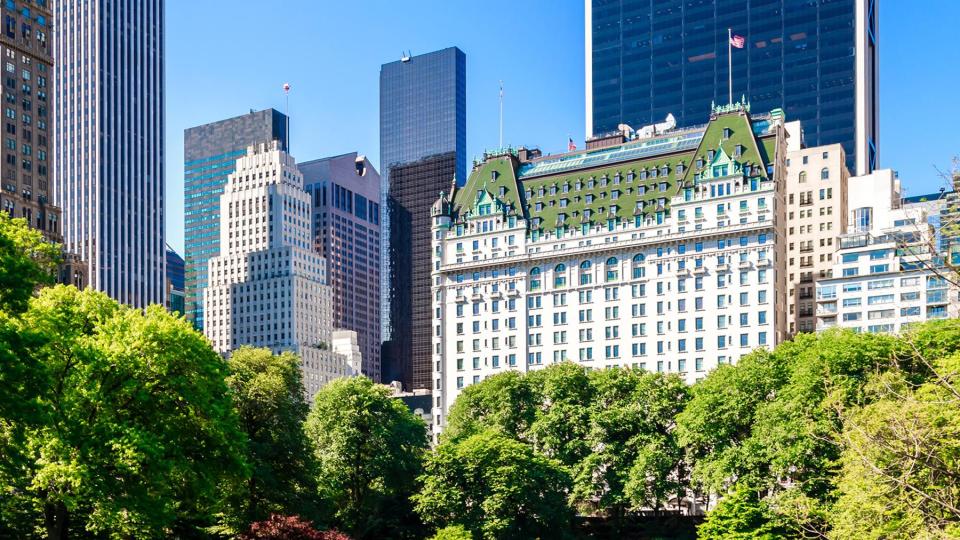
816,215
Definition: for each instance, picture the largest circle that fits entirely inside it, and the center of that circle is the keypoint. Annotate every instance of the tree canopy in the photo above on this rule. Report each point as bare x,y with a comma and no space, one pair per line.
369,449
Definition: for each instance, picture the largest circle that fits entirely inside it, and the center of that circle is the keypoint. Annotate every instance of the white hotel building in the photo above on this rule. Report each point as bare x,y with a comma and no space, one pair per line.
665,253
267,288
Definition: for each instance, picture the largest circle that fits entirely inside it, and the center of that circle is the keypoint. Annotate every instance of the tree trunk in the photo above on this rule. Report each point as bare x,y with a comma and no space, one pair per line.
56,519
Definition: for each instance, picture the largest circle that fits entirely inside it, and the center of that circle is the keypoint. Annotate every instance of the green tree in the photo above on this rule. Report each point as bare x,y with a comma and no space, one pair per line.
137,428
453,532
635,460
268,396
900,475
561,420
507,402
27,262
495,487
740,515
369,449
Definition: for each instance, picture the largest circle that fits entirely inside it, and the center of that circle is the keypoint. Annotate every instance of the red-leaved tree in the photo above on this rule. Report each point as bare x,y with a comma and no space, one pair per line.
289,528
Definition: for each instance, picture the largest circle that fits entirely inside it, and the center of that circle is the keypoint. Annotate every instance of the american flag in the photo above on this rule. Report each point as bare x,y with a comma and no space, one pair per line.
737,41
570,145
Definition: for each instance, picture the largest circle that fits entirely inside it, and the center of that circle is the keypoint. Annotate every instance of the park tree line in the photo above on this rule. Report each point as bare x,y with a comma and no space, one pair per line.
123,423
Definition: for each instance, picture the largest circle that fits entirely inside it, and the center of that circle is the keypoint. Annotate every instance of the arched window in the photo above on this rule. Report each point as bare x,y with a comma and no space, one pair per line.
560,276
824,173
535,278
613,269
803,176
638,269
586,277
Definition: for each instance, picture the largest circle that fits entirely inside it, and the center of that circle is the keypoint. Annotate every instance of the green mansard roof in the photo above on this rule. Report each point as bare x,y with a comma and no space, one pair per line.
502,185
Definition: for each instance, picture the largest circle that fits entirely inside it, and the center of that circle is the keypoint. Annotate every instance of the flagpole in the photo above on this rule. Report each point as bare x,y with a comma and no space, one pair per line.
501,114
730,65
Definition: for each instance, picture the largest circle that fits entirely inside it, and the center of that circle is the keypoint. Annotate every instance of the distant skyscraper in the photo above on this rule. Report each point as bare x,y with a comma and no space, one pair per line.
267,287
175,292
423,139
210,153
346,230
816,60
108,166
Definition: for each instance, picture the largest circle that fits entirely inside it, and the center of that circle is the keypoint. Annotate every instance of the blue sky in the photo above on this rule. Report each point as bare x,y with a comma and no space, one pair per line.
225,57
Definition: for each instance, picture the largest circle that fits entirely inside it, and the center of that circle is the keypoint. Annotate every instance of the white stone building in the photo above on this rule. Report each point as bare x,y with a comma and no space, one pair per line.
886,274
663,254
267,287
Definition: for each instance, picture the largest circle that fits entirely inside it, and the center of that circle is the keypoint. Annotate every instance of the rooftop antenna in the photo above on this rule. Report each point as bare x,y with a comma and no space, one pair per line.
501,114
286,111
405,56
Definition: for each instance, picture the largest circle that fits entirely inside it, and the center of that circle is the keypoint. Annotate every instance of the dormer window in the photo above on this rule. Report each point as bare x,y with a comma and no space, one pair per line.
579,185
699,163
664,170
540,192
640,205
479,193
641,190
663,186
738,150
538,207
590,183
564,202
654,173
679,168
616,178
727,132
493,175
589,199
503,191
630,176
614,195
529,194
566,188
710,155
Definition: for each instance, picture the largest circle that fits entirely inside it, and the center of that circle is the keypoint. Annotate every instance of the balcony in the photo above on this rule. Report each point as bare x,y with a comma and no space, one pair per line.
476,297
496,294
700,270
513,293
809,312
683,272
806,202
763,263
806,279
829,308
461,299
745,265
806,296
806,249
724,267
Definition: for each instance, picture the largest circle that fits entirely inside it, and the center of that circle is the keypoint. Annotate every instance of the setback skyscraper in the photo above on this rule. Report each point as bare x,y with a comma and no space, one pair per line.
210,154
267,287
422,149
108,171
818,61
345,190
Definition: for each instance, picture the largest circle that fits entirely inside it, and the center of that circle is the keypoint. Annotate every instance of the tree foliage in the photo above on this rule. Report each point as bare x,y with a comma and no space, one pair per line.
27,262
268,396
278,527
740,515
369,450
900,475
136,428
495,487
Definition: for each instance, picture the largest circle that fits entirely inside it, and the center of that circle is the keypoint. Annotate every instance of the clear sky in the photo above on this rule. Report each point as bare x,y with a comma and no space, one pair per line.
225,57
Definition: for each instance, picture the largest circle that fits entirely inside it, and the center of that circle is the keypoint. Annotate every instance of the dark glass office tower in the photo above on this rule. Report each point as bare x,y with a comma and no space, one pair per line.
816,59
210,153
423,139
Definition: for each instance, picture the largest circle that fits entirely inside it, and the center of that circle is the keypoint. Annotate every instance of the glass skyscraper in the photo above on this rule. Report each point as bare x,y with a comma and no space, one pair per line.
108,174
210,154
423,139
815,59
